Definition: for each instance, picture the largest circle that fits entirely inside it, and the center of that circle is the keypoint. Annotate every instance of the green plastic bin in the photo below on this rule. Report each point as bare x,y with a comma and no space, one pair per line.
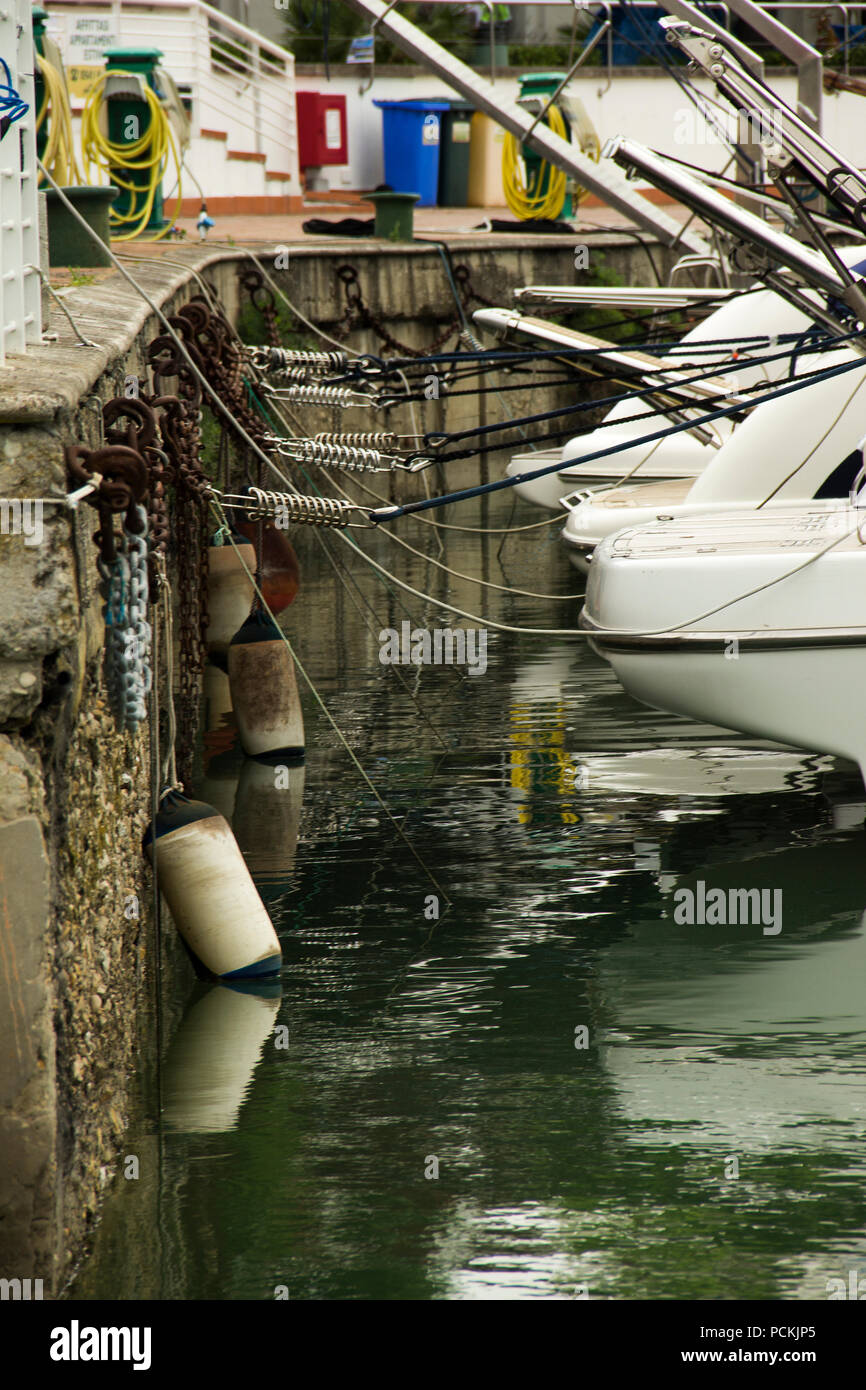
454,155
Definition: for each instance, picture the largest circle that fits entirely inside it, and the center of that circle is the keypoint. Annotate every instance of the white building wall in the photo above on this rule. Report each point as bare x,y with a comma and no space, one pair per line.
649,108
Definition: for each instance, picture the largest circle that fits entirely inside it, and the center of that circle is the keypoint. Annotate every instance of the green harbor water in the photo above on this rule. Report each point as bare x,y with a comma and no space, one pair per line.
619,1107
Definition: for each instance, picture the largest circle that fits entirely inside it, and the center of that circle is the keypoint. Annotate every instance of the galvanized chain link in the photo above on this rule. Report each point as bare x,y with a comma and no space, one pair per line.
125,588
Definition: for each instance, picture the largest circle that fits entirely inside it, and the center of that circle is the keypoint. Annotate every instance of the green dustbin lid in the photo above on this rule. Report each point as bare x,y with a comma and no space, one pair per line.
132,55
540,81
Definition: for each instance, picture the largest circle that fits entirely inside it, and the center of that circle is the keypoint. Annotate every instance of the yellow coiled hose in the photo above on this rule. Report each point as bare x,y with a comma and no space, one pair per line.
531,203
59,153
150,151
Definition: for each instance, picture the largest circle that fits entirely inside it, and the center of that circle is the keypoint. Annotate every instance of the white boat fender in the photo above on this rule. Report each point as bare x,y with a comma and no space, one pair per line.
207,885
265,692
230,589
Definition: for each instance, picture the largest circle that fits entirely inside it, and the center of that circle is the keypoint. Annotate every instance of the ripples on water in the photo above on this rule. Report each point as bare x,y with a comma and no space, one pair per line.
560,817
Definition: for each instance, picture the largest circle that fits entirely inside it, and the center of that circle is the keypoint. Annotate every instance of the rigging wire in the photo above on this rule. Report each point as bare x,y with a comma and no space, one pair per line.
434,440
470,578
567,632
482,489
221,515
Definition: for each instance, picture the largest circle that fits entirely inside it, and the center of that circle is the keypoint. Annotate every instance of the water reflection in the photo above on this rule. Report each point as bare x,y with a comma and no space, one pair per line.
738,1041
212,1057
561,818
266,819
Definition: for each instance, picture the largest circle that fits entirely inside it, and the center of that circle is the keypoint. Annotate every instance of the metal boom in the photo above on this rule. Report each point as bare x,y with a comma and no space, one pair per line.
603,179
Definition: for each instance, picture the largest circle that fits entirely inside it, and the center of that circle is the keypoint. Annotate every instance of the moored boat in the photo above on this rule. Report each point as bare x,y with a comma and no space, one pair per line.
751,621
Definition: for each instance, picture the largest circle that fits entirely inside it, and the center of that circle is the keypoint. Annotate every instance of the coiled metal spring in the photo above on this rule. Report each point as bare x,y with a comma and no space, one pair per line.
289,374
290,509
345,456
309,361
368,439
314,394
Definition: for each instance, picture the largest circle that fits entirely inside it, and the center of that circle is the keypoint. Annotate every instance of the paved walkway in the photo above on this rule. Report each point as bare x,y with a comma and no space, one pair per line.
289,227
278,229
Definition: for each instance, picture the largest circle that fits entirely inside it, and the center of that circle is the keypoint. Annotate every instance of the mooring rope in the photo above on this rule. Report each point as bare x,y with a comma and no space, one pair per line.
472,578
484,489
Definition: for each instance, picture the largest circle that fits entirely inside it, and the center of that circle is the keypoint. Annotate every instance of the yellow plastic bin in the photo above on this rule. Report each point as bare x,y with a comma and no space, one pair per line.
486,189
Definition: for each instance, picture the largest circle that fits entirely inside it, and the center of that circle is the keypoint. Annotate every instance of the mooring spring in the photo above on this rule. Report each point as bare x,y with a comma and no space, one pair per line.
339,455
291,374
369,439
290,508
279,358
321,395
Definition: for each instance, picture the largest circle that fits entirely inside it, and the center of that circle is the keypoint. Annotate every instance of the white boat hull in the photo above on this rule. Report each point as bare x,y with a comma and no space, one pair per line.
782,455
754,623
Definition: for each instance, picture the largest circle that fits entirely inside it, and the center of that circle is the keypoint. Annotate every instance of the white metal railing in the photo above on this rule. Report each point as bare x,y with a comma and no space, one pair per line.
238,83
20,291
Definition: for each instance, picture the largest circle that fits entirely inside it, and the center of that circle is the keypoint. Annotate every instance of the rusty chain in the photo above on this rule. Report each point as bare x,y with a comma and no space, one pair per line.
358,314
179,417
262,299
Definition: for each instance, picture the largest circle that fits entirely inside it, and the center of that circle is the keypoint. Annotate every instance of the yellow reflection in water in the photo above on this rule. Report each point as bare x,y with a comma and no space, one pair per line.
539,765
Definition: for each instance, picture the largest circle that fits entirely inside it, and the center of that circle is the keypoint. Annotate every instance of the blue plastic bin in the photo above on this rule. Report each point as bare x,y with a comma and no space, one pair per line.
411,131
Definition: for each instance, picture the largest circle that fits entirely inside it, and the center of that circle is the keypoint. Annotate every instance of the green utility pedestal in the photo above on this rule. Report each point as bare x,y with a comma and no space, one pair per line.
128,121
541,85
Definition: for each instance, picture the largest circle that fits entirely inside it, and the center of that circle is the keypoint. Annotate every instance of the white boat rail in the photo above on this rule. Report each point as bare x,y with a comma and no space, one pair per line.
758,249
783,134
20,291
610,297
626,364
